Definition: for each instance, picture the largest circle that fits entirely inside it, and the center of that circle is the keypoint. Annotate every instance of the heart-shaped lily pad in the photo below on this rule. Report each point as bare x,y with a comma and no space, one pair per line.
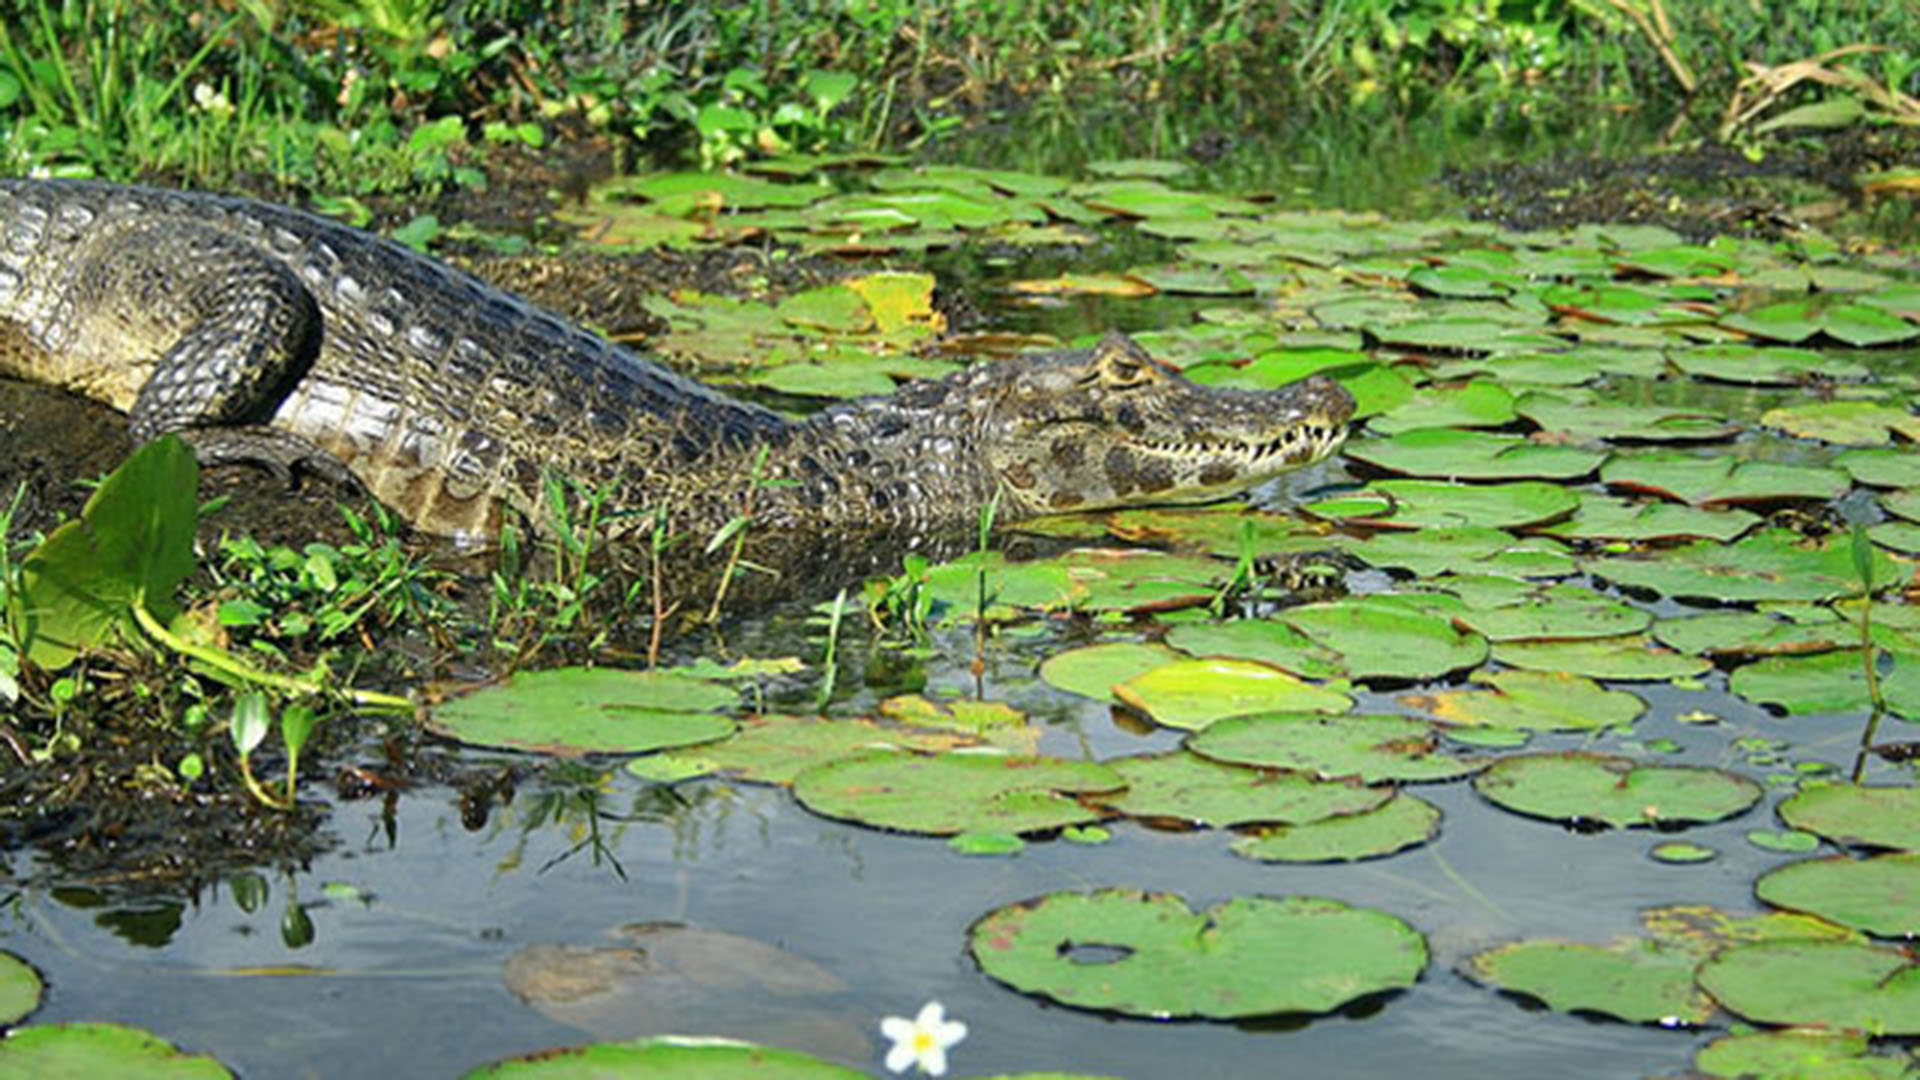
1862,814
573,711
1184,787
1819,983
1582,787
1880,895
1372,748
1400,823
1638,980
1149,954
951,793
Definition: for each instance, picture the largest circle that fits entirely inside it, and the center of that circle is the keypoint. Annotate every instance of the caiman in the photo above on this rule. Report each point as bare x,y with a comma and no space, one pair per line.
270,336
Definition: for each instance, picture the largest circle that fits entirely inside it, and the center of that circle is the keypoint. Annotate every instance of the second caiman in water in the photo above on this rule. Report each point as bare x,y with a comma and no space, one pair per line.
272,336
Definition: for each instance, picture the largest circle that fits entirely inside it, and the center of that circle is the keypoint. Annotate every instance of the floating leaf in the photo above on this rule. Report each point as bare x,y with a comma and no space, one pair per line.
1772,366
1849,422
1797,1055
1476,404
1402,822
1826,983
1750,633
1632,657
1093,670
1638,981
1450,453
1531,701
1559,613
1439,504
1379,639
1469,550
1601,517
1149,954
91,1049
669,1056
1591,420
775,749
1263,640
1182,787
1683,854
1194,693
1369,748
1616,791
1880,895
1855,814
1721,481
20,989
1774,564
572,711
1824,683
946,794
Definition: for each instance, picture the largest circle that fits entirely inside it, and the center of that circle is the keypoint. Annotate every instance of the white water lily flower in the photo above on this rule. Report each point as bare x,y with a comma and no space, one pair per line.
923,1040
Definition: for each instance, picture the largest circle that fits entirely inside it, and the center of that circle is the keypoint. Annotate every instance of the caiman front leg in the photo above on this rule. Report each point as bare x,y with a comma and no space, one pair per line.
243,332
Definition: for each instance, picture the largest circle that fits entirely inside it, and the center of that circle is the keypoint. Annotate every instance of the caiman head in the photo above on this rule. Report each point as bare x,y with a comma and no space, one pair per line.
1112,426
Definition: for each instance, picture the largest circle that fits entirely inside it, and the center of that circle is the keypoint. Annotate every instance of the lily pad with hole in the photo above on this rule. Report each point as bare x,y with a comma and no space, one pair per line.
1630,658
20,989
1191,694
1637,980
1801,1054
1531,701
1149,954
1773,564
1880,895
1579,787
1835,984
1402,822
1179,786
950,793
1092,670
573,711
670,1057
1862,815
98,1049
1371,748
1376,638
1722,481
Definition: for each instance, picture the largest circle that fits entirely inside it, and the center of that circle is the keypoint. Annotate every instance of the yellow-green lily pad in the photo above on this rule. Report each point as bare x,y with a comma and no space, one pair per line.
1638,981
1191,694
1858,814
572,711
1531,701
1092,670
1880,895
951,793
1601,789
98,1049
1401,822
1371,748
20,989
1179,786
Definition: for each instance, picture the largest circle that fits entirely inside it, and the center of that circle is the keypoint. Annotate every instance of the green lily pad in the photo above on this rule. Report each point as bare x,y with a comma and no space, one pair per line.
951,793
774,749
1882,468
1475,404
1416,504
1830,682
1680,853
1903,503
1750,633
1453,454
1638,981
1149,954
1191,694
1561,418
1848,422
1562,612
1371,748
1721,481
1183,787
1880,895
1402,822
1616,791
1377,638
1602,517
1632,657
1092,671
90,1049
1767,366
572,711
1856,814
1773,564
1263,640
1531,701
1825,983
674,1056
20,989
1471,550
1807,1054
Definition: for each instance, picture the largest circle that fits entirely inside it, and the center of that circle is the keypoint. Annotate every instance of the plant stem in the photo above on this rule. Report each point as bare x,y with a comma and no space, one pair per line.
233,665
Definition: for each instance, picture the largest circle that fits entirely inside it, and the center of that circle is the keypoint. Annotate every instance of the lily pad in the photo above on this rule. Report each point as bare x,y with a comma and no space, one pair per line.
1453,454
1531,701
1092,670
951,793
1858,814
1179,786
1191,694
774,749
1263,640
1806,1054
1825,983
1583,787
1560,613
1721,481
1880,895
1773,366
572,711
675,1056
1773,564
1471,550
1847,422
91,1049
1372,748
20,989
1415,504
1402,822
1638,981
1381,639
1561,418
1882,468
1633,657
1602,517
1149,954
1830,682
1750,633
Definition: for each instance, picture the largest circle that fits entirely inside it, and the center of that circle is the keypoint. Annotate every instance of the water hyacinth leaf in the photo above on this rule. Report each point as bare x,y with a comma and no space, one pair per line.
1588,421
1178,786
1450,453
98,1049
132,544
1638,981
951,793
1561,612
1370,748
1629,658
1797,1055
571,711
1582,787
1268,642
1721,481
1858,815
1191,694
1092,671
1380,639
1856,423
1880,895
668,1056
1419,504
1773,564
774,749
20,989
1602,517
1402,822
1818,983
1149,954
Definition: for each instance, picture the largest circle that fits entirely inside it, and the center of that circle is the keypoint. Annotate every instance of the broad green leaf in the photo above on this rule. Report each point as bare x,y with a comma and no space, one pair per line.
572,711
1371,748
1638,981
1402,822
1596,788
1450,453
1721,481
1819,983
1092,670
669,1057
1631,657
1855,814
1183,787
1265,640
1773,564
951,793
774,749
1880,895
99,1049
1191,694
1380,639
1804,1054
20,989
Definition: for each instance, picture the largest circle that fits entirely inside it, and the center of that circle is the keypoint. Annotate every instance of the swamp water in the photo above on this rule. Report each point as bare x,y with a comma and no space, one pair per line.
1544,475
